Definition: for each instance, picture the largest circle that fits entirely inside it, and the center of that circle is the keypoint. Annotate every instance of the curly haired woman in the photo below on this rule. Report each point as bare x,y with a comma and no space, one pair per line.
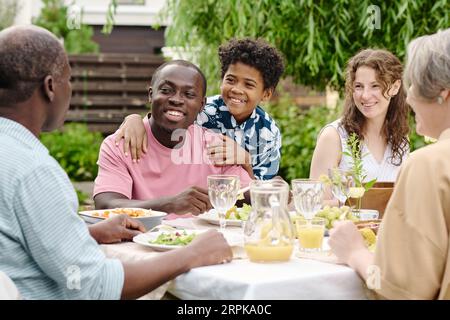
376,111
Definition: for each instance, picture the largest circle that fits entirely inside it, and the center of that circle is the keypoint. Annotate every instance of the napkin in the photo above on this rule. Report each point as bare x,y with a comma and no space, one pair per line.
173,216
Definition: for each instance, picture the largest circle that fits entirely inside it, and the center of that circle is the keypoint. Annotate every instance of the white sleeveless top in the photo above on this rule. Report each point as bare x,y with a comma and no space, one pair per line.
383,172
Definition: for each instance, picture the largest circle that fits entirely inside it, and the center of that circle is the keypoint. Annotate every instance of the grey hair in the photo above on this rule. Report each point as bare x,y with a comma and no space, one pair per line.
428,64
27,55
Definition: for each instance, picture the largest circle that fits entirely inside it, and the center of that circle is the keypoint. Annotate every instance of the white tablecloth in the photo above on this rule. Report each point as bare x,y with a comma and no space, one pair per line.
241,279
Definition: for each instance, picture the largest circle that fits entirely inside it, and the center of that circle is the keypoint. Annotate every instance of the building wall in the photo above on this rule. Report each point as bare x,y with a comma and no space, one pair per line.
94,12
130,39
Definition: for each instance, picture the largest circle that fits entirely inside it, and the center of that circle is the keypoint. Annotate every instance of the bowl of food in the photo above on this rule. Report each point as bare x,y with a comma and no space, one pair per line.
149,218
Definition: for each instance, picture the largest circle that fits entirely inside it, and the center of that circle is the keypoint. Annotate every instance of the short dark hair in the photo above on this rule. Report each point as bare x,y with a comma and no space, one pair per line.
27,56
256,53
183,63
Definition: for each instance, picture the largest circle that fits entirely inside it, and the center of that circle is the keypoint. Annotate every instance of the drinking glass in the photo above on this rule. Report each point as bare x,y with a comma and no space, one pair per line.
308,196
342,181
223,192
310,234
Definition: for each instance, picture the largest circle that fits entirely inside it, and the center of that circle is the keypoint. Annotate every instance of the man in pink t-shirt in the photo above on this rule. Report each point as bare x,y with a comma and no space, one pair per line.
172,177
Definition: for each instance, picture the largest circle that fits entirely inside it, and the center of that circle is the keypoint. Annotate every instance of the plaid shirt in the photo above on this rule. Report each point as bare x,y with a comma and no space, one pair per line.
259,135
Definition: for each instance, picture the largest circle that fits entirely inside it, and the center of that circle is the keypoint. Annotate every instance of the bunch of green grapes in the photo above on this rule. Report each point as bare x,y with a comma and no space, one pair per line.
331,214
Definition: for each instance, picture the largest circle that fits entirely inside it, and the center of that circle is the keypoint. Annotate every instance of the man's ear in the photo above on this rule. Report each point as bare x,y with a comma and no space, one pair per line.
150,92
203,105
395,88
49,88
267,94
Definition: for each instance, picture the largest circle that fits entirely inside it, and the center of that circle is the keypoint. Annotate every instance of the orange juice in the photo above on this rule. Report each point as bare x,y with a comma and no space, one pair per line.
310,236
267,253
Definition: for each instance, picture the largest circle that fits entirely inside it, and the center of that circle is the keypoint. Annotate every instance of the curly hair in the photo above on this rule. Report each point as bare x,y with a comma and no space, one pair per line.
388,69
255,53
27,55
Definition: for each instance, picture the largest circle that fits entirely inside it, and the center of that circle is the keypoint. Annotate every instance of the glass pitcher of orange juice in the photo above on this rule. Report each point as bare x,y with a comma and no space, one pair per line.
268,232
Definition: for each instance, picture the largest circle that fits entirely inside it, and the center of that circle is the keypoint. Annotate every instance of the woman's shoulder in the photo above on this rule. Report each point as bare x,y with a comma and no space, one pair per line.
333,130
329,135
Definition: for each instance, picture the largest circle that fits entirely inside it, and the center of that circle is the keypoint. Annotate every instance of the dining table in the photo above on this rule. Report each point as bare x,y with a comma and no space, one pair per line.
316,276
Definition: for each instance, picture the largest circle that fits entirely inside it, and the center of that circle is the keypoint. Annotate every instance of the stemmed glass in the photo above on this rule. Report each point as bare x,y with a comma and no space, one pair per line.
308,196
223,191
341,181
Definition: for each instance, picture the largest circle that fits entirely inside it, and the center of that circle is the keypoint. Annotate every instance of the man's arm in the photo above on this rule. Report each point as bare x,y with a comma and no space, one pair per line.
111,200
57,239
193,200
146,275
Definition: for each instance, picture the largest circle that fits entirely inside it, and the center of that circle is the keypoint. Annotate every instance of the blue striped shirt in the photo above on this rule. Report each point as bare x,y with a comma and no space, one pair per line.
258,135
45,247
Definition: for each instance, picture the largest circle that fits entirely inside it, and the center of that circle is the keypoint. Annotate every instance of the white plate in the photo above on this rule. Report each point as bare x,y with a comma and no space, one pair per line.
212,217
145,238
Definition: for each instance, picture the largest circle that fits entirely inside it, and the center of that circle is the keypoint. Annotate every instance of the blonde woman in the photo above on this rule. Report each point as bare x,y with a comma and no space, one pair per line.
412,260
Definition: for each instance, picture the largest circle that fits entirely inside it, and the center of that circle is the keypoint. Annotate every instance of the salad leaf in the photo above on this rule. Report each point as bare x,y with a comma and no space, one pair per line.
174,238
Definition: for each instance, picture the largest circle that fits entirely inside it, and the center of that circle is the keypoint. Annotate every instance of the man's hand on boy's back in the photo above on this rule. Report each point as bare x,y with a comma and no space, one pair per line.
193,200
134,136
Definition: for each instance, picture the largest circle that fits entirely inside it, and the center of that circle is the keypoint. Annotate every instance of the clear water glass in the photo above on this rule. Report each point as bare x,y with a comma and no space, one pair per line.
223,191
342,181
308,196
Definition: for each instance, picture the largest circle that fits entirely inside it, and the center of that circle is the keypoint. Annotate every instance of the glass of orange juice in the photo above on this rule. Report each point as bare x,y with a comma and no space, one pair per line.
310,233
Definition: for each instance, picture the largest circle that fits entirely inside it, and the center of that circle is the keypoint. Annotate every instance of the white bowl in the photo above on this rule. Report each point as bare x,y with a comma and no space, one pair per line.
150,220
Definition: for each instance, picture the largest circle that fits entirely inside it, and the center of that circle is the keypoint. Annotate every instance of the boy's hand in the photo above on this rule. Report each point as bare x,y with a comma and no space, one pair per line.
133,132
228,152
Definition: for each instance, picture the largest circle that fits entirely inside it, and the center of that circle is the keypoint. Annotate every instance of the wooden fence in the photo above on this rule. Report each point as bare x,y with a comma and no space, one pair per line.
107,87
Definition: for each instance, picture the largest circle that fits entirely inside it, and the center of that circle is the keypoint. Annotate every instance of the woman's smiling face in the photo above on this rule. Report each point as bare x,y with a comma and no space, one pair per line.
368,93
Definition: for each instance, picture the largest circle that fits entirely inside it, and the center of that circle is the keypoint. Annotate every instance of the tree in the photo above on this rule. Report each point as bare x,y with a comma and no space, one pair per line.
54,18
8,11
316,37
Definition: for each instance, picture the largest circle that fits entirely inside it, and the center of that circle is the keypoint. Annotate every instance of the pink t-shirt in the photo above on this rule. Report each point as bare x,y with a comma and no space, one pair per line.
162,171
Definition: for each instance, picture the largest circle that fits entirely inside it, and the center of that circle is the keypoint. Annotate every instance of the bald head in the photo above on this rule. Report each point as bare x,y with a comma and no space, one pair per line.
27,55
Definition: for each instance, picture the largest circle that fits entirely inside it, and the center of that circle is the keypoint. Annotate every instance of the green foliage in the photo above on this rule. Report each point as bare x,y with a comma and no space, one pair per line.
8,11
76,149
82,197
358,172
53,17
316,37
110,14
299,129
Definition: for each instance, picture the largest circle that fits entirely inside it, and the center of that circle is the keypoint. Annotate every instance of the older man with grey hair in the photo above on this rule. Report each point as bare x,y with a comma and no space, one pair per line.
46,249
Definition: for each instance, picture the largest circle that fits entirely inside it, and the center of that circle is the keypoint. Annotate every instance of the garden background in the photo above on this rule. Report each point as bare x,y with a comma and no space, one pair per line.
316,38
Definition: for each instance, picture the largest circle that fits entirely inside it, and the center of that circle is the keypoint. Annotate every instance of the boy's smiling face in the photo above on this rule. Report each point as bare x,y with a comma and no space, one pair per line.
242,90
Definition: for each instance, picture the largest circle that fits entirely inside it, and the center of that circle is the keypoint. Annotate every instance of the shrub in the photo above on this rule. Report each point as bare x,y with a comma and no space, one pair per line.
76,149
53,17
299,129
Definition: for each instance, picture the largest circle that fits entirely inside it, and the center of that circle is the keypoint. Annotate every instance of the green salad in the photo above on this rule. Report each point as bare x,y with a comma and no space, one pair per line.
176,238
